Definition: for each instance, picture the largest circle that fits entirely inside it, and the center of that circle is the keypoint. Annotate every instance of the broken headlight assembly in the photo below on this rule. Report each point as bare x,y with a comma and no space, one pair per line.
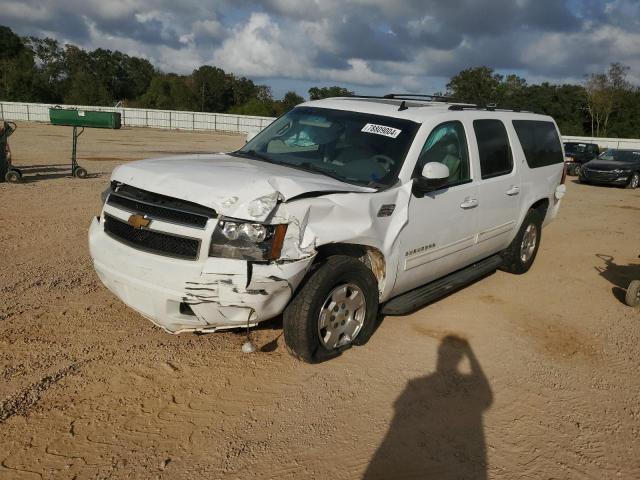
113,187
247,240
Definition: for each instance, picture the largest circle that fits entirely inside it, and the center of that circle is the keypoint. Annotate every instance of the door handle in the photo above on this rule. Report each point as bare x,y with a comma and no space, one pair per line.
469,203
514,190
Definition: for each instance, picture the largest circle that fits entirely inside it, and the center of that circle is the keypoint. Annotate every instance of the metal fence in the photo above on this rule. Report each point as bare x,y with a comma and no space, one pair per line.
604,143
141,117
222,122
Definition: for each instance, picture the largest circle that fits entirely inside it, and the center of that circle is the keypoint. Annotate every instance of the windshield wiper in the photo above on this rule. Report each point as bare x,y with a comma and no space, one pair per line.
255,155
314,168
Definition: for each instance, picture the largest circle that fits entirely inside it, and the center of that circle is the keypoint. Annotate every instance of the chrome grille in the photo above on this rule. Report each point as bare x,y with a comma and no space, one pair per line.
160,207
151,241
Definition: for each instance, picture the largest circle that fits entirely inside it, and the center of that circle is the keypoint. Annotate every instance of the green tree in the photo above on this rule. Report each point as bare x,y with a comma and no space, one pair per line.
478,85
317,93
50,63
170,92
18,76
213,87
290,100
604,91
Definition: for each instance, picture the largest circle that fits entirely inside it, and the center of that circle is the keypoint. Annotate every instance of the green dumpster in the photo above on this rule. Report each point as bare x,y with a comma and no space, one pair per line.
84,118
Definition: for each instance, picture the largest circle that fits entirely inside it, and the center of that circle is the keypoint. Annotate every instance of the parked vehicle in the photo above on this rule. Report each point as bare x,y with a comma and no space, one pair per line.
613,167
576,154
341,209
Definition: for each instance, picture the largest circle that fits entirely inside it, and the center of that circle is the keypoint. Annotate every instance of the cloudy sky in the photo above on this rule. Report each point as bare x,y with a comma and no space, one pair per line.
371,46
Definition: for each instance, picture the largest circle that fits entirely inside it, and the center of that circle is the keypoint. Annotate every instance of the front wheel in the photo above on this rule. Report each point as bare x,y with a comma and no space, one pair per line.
633,294
634,181
577,170
336,308
519,256
13,176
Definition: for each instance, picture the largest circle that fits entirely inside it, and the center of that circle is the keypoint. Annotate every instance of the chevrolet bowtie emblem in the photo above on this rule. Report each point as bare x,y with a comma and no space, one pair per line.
138,221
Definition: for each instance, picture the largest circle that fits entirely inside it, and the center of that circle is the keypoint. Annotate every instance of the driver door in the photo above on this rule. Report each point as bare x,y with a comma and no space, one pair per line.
440,235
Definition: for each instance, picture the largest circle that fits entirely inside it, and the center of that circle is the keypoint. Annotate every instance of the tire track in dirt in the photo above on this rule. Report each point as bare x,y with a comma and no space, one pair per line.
22,402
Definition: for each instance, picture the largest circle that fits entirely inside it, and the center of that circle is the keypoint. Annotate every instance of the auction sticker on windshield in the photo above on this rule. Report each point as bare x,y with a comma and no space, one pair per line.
381,130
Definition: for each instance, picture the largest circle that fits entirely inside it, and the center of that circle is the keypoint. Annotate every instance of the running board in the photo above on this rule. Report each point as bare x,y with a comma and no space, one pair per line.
412,300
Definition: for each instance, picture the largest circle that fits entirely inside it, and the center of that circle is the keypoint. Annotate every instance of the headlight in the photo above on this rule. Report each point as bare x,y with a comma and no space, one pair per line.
247,240
618,171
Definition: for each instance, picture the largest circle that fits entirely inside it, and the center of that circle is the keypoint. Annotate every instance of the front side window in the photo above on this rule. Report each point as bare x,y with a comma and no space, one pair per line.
540,143
447,144
493,146
352,147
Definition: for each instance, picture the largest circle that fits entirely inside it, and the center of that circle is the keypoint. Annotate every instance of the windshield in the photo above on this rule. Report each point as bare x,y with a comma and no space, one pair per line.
575,147
620,155
352,147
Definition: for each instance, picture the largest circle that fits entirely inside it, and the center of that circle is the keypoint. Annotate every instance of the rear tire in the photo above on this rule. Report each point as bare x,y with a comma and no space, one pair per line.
305,316
632,297
634,181
13,176
519,256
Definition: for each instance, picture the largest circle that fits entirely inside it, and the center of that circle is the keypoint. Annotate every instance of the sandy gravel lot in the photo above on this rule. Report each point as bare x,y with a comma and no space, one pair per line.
548,385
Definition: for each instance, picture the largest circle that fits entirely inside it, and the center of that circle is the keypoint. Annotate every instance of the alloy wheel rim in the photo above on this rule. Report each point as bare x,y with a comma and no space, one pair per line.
529,241
341,316
634,181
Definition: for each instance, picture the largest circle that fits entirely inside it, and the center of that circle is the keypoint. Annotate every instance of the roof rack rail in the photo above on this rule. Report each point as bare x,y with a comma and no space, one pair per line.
406,96
419,96
492,107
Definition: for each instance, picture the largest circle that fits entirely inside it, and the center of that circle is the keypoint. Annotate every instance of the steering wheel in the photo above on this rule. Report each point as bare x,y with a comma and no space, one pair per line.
385,161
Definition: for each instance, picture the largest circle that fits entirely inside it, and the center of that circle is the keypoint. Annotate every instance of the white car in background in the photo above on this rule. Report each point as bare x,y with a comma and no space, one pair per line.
341,209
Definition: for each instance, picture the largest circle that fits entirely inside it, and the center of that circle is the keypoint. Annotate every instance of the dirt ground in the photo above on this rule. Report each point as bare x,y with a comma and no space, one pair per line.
548,385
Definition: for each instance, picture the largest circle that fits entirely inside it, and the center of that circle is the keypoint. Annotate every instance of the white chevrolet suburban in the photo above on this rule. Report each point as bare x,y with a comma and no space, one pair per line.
340,210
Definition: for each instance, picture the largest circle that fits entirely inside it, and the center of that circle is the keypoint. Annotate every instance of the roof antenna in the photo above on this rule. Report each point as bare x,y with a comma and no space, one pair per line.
403,106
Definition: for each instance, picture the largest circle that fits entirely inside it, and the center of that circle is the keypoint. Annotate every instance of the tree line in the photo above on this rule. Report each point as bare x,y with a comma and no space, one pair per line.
605,104
41,70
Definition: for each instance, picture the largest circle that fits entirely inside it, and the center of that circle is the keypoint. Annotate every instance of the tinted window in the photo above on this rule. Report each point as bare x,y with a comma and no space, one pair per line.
447,144
540,142
493,146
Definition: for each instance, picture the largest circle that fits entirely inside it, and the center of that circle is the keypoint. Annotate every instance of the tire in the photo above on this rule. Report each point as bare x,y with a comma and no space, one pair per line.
302,322
13,176
634,181
513,260
632,298
577,169
80,172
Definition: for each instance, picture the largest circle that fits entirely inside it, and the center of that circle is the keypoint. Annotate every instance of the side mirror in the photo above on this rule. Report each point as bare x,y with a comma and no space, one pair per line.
434,176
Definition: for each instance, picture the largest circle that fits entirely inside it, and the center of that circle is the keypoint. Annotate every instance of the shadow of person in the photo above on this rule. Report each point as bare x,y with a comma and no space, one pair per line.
437,431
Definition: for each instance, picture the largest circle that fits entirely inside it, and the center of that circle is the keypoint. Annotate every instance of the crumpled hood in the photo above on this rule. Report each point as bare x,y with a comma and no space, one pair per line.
233,186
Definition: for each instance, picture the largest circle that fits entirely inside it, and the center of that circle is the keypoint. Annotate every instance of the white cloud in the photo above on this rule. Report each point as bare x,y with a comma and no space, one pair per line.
261,48
407,44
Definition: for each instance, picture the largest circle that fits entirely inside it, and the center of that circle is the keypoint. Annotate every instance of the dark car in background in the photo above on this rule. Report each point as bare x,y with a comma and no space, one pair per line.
613,167
577,153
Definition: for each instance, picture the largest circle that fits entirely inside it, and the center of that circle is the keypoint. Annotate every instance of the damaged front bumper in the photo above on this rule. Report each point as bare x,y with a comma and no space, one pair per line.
204,295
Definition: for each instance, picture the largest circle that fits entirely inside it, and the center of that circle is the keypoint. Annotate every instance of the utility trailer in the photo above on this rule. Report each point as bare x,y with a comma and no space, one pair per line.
79,120
7,172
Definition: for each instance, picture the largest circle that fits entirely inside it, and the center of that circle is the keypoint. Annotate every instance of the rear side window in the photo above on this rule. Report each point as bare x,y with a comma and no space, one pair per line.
540,142
493,146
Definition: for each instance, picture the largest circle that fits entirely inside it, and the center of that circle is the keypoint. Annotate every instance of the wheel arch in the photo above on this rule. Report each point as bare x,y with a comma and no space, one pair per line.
542,206
372,257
